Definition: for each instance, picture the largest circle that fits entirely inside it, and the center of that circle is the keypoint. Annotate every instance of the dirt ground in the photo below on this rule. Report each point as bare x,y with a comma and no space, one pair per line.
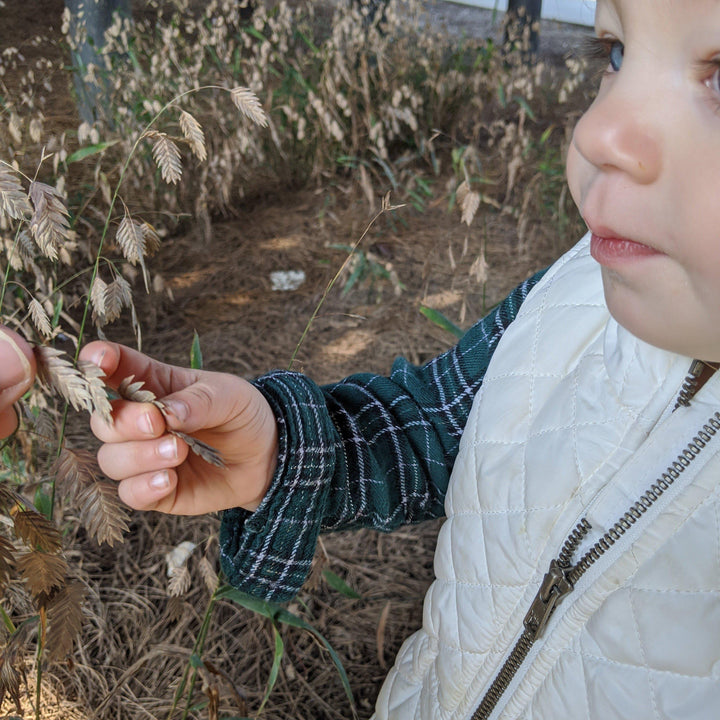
132,652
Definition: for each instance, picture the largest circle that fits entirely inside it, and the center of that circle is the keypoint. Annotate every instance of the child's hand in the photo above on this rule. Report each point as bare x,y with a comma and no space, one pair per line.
155,469
17,372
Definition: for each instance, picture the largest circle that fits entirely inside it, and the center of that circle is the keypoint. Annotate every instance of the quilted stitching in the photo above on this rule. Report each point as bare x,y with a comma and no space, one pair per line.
504,502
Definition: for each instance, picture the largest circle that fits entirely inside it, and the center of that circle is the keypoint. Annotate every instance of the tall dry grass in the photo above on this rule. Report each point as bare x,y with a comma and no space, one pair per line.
204,108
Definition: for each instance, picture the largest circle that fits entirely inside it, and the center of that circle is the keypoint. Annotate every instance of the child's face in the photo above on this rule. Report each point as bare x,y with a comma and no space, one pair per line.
644,169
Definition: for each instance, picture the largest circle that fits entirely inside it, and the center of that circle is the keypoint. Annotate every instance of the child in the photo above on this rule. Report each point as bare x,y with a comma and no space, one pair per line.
578,570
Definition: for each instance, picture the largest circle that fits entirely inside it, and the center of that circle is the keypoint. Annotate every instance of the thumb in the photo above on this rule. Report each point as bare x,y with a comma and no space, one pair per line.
119,362
17,367
17,372
212,401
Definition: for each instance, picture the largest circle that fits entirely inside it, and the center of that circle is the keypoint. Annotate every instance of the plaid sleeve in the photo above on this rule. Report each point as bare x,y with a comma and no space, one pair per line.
369,451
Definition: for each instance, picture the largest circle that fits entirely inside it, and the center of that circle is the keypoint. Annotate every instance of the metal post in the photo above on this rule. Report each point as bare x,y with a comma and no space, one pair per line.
94,17
523,19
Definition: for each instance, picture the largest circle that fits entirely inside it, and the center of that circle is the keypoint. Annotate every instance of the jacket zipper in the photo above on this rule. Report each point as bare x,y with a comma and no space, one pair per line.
563,575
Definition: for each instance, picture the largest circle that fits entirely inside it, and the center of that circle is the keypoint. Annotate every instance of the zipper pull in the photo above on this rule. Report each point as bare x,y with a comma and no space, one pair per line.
555,586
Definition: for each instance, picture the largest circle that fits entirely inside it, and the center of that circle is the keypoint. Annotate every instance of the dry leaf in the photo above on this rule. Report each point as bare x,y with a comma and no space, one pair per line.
94,376
7,560
13,200
247,103
193,133
49,222
74,471
167,157
102,514
36,530
42,571
179,582
380,635
367,187
64,613
57,372
40,318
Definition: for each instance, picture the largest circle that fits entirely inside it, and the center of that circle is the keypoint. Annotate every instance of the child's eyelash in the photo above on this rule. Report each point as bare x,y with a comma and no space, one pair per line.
596,48
707,67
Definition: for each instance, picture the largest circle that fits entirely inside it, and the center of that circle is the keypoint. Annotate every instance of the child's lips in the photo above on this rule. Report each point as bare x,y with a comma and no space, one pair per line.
611,250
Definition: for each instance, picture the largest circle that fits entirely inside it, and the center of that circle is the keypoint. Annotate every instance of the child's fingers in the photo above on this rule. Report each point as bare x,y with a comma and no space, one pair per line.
17,367
119,362
8,422
150,491
17,372
105,355
124,460
131,421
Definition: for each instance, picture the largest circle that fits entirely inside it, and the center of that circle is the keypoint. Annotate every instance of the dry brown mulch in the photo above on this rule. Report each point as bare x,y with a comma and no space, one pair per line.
136,640
221,289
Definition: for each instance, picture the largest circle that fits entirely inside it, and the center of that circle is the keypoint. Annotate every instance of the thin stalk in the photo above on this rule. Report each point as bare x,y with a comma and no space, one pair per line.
116,192
39,654
198,647
10,626
6,279
385,206
98,256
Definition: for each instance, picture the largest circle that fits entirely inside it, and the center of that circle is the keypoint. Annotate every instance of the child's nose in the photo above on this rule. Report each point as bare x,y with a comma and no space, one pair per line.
620,132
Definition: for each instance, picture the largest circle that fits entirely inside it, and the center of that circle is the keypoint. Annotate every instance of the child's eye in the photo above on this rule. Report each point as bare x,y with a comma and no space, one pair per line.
616,55
606,49
713,81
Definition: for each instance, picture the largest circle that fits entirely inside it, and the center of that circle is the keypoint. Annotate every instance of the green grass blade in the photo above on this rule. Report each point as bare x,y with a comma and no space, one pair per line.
278,614
82,153
337,583
196,358
275,669
440,320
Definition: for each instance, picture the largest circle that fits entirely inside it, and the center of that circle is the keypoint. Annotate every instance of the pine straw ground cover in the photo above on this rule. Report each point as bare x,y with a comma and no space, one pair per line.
136,640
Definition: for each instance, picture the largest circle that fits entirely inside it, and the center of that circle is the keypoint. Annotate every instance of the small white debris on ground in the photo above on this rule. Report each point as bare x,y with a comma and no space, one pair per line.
286,280
178,556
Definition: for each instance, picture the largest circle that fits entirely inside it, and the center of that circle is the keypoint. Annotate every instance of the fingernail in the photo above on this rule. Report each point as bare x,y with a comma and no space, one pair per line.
16,367
144,424
97,357
177,408
168,448
160,481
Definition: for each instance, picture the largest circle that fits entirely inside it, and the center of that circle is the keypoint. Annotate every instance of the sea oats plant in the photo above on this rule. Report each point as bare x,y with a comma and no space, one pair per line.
385,96
44,482
350,102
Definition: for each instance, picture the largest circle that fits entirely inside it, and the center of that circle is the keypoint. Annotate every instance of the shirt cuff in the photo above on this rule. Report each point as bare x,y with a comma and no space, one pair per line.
268,553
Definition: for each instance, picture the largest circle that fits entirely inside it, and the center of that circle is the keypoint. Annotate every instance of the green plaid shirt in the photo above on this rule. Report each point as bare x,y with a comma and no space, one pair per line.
369,451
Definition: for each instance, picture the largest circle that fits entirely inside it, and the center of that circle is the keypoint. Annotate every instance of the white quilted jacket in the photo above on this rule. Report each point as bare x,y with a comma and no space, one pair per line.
574,420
